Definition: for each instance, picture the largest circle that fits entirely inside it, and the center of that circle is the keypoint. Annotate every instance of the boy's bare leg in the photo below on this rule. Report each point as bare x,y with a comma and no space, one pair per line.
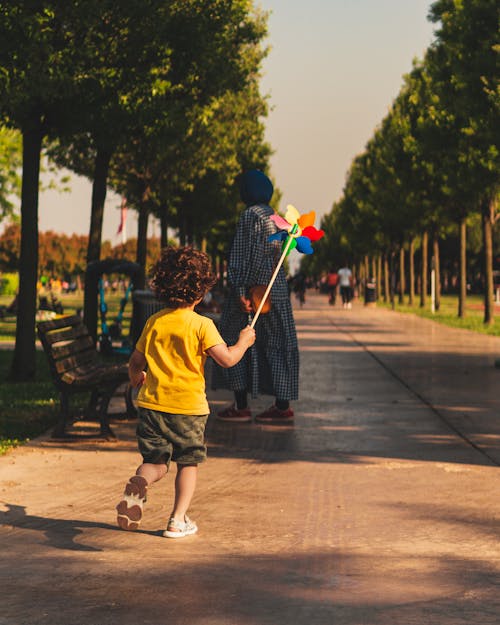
185,484
152,472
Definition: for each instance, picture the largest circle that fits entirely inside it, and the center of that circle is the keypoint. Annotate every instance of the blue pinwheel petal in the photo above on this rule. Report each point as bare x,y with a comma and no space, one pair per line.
304,245
278,236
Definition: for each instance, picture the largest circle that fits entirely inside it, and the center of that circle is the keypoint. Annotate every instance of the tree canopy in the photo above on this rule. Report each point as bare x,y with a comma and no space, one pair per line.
433,162
102,81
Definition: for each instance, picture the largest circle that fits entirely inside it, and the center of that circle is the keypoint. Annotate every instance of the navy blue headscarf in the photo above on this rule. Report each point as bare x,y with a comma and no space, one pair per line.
255,188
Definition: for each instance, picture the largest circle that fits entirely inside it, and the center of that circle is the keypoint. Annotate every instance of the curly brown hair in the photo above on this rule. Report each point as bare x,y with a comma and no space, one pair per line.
181,276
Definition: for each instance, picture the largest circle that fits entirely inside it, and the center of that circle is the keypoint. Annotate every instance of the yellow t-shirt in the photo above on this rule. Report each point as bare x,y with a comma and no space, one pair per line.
174,343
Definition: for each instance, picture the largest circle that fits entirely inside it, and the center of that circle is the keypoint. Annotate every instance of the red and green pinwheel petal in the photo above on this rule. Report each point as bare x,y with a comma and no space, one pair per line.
312,233
293,244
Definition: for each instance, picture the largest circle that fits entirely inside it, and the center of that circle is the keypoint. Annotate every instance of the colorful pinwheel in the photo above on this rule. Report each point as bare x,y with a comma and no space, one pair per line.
299,227
296,230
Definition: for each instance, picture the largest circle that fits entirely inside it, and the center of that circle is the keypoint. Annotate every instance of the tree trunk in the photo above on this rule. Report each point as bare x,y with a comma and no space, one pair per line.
392,281
437,270
402,280
189,230
411,290
487,213
462,293
358,278
142,243
182,230
379,276
386,280
24,359
366,262
163,229
99,186
424,268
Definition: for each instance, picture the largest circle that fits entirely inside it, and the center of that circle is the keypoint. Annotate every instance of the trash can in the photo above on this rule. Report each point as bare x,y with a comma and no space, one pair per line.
144,305
371,293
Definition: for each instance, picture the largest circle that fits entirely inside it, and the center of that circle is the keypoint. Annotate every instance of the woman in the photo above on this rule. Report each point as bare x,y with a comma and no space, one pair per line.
271,367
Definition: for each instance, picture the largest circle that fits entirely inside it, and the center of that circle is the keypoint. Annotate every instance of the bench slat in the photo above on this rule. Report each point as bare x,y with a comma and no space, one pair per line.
68,348
66,334
83,359
100,376
60,322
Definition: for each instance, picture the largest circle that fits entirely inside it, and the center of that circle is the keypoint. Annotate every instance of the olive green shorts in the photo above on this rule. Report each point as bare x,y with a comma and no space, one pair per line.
163,437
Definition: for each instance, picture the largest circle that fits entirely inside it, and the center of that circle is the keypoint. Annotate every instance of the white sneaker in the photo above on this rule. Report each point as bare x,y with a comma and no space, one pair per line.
178,529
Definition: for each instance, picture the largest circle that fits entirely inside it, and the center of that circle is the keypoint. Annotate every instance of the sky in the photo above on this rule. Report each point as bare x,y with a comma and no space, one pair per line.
333,69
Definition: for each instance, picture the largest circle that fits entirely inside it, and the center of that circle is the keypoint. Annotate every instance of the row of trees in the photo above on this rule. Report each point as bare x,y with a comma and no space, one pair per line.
64,256
158,100
432,166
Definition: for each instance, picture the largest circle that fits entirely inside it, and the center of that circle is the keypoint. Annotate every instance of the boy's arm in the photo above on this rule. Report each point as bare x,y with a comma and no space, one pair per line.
228,356
136,366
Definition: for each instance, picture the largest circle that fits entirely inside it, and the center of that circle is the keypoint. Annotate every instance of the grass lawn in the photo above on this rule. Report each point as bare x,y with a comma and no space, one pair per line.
447,313
71,303
27,409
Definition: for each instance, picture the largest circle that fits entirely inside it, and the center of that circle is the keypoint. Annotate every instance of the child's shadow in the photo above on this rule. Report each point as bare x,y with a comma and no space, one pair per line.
60,533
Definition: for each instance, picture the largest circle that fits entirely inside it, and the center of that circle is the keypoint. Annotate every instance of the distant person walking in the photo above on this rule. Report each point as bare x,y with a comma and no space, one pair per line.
332,280
271,367
173,407
299,287
345,284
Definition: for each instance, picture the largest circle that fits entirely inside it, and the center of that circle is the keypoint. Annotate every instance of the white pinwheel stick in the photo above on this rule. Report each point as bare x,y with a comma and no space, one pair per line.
273,277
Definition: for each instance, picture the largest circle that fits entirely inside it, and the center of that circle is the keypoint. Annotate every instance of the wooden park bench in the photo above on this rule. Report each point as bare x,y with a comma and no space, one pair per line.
77,367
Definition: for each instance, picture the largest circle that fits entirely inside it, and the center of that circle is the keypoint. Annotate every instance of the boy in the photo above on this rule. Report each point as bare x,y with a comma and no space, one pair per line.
173,407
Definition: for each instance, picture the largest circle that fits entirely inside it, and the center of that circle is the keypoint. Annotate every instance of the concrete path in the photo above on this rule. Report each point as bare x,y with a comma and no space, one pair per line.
380,506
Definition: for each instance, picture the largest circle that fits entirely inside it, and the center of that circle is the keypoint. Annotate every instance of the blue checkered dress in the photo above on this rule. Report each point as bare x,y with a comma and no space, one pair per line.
271,366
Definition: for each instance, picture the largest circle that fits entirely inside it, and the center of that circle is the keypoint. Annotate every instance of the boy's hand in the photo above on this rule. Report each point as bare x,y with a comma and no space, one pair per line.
247,336
245,304
138,381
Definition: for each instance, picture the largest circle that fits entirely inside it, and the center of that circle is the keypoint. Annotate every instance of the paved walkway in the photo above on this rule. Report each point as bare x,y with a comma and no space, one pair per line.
380,507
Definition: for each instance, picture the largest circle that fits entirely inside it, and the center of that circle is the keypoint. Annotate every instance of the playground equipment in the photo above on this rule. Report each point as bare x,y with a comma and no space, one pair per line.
112,332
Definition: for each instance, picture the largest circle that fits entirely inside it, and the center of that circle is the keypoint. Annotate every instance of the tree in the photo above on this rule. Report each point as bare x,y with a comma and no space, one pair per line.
225,141
43,75
165,60
466,53
10,247
70,68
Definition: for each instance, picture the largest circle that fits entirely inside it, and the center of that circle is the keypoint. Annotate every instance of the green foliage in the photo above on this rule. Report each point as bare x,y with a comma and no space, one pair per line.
464,64
94,78
9,283
434,159
181,165
10,170
6,444
10,174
